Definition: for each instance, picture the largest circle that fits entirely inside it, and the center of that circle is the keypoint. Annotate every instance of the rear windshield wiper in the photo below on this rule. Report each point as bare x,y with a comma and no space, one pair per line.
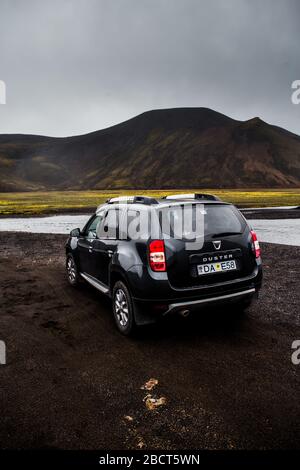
225,234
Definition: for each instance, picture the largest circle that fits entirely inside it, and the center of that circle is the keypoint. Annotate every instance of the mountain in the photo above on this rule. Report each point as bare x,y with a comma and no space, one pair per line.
168,148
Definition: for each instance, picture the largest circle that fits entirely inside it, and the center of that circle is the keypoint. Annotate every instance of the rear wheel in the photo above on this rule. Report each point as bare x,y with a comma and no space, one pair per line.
123,309
72,272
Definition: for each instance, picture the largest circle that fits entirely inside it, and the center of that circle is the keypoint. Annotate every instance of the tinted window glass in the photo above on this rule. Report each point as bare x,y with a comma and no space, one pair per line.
138,223
110,226
92,227
216,219
220,219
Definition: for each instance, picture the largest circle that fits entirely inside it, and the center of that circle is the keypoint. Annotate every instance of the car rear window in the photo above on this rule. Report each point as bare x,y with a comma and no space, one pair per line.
222,218
217,219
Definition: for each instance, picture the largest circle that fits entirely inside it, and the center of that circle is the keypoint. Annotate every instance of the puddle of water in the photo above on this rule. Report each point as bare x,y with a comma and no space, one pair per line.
281,231
62,224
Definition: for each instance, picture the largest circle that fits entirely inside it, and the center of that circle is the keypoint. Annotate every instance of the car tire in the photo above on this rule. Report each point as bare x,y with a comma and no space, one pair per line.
72,271
123,309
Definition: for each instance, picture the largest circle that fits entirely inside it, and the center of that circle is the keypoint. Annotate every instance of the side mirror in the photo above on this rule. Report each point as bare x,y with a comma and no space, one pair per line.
75,232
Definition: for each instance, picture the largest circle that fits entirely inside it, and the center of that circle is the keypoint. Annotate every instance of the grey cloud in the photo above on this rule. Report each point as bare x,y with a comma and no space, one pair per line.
73,66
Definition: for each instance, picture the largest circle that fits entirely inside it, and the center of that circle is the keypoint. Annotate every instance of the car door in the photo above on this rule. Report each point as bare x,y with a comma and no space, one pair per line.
106,244
85,245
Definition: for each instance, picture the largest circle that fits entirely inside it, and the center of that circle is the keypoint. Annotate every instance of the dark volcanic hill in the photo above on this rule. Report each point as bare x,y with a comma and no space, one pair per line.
171,148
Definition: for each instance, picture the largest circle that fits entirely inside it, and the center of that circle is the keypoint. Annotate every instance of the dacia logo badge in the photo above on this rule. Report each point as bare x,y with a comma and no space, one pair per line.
217,244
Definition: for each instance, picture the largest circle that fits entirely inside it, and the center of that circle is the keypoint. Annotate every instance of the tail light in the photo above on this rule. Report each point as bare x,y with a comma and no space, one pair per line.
255,245
157,257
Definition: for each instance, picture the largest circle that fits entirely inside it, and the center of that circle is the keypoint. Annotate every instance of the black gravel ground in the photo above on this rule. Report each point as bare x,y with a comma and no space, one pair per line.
71,378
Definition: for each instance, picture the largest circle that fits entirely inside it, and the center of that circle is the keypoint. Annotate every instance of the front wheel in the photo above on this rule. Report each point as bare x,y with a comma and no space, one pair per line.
123,309
72,272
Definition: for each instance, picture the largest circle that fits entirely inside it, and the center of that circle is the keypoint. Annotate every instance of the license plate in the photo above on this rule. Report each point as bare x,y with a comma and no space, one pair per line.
220,267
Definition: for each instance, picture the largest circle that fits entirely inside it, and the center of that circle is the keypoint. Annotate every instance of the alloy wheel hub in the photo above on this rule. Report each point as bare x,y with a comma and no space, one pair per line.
71,270
121,307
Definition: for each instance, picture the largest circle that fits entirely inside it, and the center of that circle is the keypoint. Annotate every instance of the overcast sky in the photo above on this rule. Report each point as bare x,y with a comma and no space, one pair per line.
74,66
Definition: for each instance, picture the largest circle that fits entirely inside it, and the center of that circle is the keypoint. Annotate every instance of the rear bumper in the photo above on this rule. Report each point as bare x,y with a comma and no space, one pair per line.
154,297
195,304
155,287
149,311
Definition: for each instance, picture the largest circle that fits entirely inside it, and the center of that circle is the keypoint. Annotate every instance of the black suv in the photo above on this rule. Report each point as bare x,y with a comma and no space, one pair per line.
157,273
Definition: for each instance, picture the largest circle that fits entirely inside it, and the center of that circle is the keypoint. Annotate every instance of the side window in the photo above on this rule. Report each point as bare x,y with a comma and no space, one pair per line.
138,224
110,225
133,223
91,230
132,215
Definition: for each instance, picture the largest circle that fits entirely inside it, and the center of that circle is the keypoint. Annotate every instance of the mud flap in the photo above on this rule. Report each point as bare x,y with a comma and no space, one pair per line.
142,314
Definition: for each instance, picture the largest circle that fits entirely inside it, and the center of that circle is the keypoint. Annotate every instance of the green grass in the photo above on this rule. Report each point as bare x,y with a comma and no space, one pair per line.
34,203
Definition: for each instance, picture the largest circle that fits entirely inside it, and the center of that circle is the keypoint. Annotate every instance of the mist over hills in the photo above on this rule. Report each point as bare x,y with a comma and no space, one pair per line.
160,149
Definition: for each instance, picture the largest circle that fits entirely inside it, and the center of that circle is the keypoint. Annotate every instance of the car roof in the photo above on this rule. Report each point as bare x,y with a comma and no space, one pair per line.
135,202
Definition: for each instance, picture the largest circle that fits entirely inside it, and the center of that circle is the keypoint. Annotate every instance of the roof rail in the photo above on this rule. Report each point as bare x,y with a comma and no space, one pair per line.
197,196
132,200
